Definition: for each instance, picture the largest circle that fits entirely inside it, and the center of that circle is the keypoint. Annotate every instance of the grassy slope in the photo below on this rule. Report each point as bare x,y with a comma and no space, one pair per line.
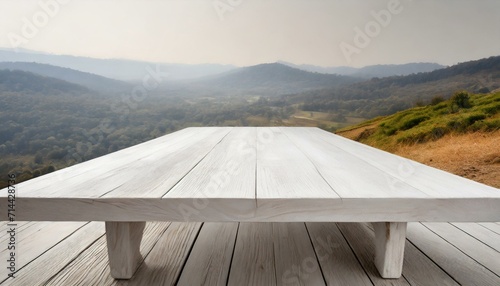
465,143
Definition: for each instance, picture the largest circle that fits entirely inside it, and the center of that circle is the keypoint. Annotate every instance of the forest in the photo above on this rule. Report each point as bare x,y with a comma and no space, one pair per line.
48,124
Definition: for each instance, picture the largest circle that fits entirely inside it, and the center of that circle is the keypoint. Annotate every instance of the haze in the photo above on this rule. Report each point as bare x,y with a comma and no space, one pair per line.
248,32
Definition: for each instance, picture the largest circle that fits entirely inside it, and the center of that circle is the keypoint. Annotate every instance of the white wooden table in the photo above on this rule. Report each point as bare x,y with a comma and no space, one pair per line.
272,174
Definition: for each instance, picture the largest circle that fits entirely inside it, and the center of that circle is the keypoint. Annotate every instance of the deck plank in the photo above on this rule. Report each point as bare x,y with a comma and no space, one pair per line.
485,235
253,259
210,258
461,267
96,255
30,245
295,259
338,263
472,247
164,263
361,240
495,227
50,262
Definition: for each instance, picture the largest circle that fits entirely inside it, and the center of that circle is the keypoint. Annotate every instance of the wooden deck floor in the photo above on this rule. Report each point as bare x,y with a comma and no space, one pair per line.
74,253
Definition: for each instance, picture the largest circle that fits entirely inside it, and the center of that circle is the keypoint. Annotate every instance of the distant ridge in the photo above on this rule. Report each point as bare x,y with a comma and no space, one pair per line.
125,70
91,81
371,71
22,81
275,78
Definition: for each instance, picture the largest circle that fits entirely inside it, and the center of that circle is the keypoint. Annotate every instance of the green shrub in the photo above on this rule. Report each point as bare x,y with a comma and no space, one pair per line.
461,99
473,118
413,122
491,110
390,131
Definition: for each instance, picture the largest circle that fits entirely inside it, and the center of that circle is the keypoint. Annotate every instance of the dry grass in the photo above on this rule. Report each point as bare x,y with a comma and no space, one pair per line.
475,156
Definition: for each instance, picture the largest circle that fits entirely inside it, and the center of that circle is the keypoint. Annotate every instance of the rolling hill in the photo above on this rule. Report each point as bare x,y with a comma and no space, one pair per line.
125,70
463,141
383,96
270,79
91,81
17,81
371,71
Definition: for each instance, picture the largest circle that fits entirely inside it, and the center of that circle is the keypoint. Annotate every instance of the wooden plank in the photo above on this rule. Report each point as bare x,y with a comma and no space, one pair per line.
81,172
228,172
468,245
296,262
435,183
163,264
347,174
56,257
161,167
361,239
461,267
268,210
91,266
210,258
253,259
283,171
491,226
390,240
418,269
159,173
338,263
29,246
124,242
483,234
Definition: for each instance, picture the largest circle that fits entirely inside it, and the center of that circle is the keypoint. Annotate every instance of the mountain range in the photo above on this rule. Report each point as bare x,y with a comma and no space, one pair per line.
371,71
129,70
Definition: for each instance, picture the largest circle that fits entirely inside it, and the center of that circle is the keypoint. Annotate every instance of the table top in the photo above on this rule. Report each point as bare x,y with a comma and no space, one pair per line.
256,173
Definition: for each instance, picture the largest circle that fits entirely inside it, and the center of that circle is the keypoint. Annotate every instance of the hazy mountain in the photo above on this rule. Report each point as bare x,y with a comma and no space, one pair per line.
372,71
273,78
92,81
381,96
26,82
114,68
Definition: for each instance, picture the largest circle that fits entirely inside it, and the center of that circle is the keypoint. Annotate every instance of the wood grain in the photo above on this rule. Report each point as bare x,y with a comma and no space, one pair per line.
124,242
338,263
390,238
461,267
253,262
210,258
296,262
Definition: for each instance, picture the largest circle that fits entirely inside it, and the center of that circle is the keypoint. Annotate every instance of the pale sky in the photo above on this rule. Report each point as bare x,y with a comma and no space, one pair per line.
248,32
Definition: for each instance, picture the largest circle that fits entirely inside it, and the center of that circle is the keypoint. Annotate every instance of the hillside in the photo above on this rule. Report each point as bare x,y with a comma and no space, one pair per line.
91,81
126,70
271,79
463,141
371,71
27,82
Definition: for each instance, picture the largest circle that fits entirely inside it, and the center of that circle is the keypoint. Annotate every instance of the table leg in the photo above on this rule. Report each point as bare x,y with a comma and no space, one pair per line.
390,240
124,241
